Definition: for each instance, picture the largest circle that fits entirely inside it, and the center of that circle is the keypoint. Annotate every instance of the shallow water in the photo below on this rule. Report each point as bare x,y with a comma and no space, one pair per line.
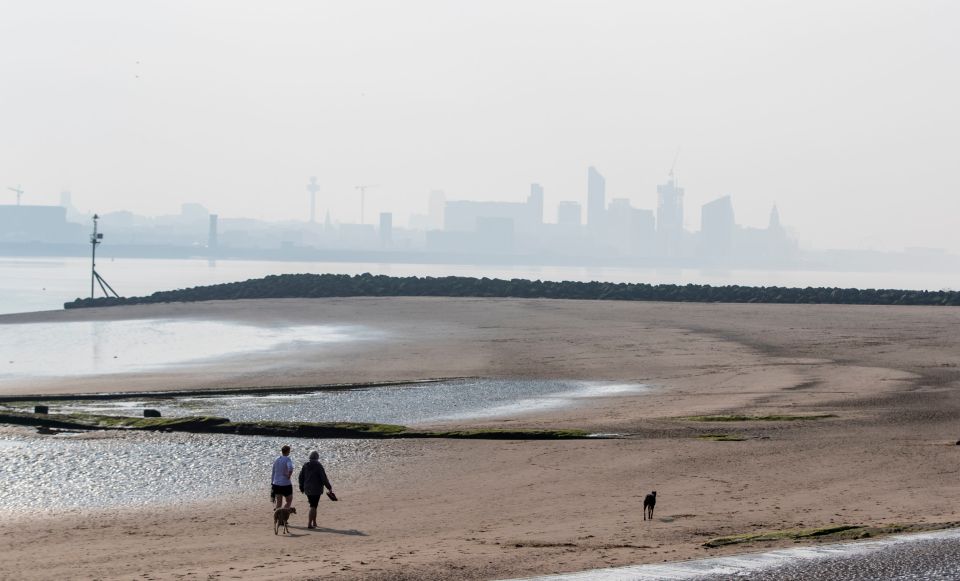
139,469
100,469
404,404
75,348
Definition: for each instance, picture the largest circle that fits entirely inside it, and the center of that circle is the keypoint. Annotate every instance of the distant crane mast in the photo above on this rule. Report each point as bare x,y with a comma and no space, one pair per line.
673,166
17,190
363,195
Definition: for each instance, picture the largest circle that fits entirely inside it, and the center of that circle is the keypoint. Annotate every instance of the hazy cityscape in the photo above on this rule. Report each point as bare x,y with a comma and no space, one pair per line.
526,290
594,229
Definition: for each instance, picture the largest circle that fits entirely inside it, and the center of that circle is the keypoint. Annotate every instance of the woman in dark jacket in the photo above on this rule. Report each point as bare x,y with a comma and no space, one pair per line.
312,480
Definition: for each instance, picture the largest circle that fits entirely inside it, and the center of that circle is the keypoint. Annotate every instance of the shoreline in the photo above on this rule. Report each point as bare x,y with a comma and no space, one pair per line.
754,562
506,509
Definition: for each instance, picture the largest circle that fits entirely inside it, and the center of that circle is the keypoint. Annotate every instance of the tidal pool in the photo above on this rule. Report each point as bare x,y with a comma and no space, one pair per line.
105,347
129,468
402,404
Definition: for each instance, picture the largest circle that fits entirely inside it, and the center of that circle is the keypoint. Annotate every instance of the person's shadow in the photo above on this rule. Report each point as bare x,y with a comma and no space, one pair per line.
349,532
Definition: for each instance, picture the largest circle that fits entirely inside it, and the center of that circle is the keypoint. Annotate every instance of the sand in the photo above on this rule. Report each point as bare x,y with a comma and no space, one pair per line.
494,509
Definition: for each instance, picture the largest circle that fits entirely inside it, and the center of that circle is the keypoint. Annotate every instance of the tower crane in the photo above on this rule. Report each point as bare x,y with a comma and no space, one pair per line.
673,165
17,190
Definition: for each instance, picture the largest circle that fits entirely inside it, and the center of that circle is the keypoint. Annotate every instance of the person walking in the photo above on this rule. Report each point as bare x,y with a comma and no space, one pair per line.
312,480
280,480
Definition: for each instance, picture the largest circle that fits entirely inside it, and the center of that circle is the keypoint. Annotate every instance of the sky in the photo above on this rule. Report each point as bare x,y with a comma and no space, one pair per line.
842,113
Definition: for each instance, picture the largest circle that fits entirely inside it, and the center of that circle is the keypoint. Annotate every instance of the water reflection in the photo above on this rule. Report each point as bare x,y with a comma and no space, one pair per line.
99,469
405,404
139,469
101,347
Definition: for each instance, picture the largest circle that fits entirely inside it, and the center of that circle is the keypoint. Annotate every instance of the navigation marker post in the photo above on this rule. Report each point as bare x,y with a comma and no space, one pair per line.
95,239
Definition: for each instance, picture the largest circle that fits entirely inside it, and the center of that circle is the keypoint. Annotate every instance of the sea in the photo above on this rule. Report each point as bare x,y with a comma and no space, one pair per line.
43,284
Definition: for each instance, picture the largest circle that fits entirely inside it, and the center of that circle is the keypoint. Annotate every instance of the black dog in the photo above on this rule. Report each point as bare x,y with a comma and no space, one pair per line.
649,501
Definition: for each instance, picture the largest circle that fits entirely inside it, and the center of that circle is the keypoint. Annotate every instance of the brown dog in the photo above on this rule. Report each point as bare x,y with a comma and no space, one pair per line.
280,518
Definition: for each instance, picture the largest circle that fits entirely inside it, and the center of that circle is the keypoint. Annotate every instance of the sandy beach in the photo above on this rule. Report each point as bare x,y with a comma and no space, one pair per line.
447,509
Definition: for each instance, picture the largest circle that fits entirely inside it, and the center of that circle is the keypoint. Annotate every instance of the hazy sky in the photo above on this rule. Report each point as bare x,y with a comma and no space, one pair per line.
844,113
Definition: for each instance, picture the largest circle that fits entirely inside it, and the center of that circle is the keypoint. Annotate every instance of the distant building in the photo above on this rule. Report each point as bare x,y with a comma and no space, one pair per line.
490,235
617,228
569,214
419,222
535,201
643,232
495,235
194,213
717,229
780,246
435,209
464,216
212,235
670,219
386,229
774,223
630,230
66,201
596,198
360,236
27,223
770,246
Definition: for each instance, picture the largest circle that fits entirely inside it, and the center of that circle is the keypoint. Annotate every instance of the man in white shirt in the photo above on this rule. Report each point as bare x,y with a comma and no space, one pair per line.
280,480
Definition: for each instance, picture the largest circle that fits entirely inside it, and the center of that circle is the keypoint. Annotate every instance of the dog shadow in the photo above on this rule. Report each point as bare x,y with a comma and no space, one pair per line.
348,532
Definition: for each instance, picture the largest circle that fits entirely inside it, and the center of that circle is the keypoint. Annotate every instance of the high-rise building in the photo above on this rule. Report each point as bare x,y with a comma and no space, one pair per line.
535,202
630,230
717,226
616,229
386,229
643,232
569,214
596,198
670,219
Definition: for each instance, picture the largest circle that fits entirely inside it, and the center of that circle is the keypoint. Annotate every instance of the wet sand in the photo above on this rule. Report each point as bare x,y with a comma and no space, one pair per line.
488,509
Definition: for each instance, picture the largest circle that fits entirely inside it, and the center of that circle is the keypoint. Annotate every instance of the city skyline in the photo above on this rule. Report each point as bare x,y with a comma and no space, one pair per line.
452,230
843,115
